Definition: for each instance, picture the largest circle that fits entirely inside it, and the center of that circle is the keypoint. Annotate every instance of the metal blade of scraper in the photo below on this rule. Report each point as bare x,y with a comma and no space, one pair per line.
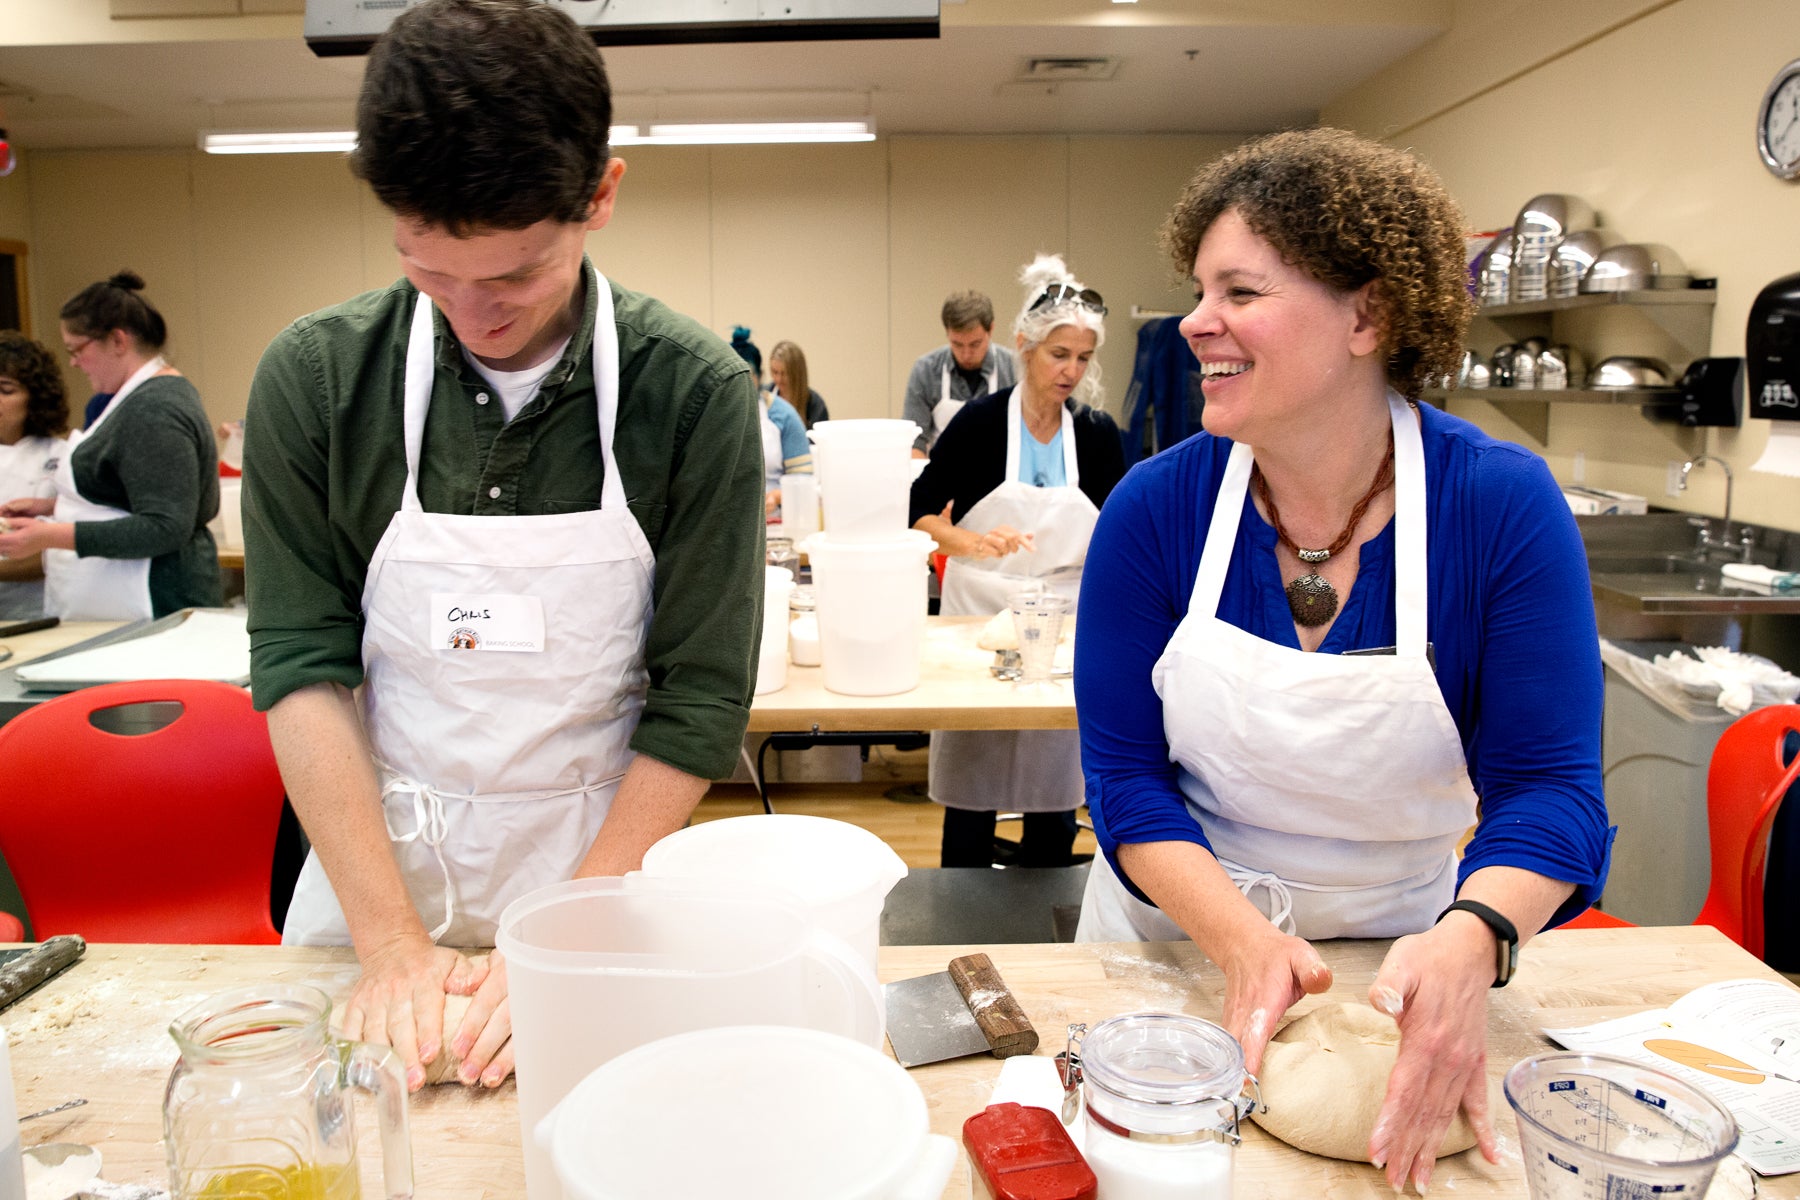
929,1021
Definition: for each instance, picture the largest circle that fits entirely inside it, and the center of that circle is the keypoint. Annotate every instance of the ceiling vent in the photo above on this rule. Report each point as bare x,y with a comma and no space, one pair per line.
1067,70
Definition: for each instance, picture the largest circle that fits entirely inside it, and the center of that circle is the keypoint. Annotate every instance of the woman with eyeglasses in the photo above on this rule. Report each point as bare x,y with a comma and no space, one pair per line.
125,536
1329,635
34,415
1010,493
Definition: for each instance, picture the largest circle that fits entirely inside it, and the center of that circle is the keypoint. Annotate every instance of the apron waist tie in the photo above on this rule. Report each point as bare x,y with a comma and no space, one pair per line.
1281,900
429,826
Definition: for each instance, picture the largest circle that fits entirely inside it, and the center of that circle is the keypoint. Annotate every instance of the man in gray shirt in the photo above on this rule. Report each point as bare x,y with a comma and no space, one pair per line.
945,379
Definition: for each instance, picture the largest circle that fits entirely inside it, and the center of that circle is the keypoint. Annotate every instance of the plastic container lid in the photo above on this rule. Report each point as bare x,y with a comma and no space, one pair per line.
821,861
749,1112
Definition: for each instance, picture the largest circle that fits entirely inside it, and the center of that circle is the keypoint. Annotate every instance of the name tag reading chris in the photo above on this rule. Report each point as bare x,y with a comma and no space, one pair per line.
509,624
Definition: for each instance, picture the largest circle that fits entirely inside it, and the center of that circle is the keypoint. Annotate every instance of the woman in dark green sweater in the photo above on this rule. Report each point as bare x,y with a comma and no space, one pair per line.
125,537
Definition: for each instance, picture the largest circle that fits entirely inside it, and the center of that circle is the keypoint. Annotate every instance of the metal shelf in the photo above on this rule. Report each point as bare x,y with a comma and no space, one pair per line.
1647,298
1493,395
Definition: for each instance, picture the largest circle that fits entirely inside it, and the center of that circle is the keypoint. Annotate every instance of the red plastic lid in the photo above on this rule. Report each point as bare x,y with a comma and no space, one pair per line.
1025,1153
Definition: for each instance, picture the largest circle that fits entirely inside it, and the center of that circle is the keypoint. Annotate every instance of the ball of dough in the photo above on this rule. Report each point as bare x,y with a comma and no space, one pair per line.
999,633
1324,1076
444,1068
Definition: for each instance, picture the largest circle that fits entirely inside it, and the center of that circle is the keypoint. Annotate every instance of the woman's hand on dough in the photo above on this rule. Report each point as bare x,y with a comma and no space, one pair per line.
483,1042
399,1000
28,506
1264,979
1435,986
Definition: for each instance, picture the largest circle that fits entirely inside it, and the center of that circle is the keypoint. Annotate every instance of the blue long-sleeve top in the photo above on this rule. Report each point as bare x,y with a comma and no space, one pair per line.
1510,620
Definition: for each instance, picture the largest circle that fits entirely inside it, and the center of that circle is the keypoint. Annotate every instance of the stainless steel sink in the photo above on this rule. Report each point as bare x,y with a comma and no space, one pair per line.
1647,564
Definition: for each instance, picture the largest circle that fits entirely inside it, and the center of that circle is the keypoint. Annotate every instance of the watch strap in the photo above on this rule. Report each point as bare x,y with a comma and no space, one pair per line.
1506,936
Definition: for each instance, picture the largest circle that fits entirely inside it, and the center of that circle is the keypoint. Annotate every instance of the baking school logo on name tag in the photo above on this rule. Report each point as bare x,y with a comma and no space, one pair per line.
504,623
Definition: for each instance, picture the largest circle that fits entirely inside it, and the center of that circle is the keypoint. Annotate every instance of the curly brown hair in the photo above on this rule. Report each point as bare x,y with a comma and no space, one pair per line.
34,368
1347,211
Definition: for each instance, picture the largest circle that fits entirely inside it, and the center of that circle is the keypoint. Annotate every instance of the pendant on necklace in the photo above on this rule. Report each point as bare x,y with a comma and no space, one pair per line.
1312,600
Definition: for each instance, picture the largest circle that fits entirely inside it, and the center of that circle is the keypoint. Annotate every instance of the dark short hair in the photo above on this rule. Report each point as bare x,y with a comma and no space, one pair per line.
965,310
483,114
746,349
34,369
116,303
1347,211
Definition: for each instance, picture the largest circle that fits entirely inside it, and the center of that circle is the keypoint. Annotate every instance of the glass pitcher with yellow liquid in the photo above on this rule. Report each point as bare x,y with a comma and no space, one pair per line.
258,1107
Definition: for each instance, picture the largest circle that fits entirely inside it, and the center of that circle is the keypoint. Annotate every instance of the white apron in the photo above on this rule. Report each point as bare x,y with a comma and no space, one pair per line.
771,447
1333,788
95,588
1031,770
945,410
497,766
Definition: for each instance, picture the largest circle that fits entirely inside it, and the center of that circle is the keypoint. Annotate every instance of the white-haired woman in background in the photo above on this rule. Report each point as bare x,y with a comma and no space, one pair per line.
1011,494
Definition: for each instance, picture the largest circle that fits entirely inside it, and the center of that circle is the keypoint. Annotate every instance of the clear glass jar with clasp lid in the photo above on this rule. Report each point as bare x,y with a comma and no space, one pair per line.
1161,1095
258,1107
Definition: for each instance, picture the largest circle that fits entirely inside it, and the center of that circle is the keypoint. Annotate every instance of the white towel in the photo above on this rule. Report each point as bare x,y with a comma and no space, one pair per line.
1761,577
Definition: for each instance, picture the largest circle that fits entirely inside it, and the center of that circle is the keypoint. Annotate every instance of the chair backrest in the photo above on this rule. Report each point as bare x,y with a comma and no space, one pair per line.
1751,770
161,836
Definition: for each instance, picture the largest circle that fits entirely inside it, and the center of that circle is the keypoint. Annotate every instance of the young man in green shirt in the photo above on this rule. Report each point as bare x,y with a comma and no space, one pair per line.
503,537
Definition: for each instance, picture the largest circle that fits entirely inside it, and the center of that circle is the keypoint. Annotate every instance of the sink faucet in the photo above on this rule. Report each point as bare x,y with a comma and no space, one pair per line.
1743,545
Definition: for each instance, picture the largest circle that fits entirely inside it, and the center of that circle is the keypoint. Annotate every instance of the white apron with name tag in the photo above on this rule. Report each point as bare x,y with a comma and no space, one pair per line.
1028,770
945,410
505,677
1333,788
95,588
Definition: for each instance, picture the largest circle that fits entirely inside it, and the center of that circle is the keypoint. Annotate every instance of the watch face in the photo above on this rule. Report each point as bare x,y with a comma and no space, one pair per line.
1778,123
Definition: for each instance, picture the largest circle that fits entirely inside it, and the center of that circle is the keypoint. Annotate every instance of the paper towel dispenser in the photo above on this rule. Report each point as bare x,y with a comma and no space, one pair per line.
1772,351
1709,392
340,27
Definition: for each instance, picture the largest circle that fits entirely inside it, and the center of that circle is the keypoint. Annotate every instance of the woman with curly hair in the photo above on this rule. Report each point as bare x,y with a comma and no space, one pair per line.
34,415
125,537
1316,636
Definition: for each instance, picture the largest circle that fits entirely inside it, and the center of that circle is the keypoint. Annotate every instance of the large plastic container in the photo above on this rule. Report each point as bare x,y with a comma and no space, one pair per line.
841,871
772,658
750,1113
597,967
865,476
871,610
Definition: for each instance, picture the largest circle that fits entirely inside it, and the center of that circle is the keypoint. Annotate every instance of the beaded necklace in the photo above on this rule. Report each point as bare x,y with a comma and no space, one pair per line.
1310,598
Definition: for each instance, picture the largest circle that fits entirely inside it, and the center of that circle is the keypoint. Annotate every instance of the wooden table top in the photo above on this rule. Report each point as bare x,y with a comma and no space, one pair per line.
28,646
956,691
100,1031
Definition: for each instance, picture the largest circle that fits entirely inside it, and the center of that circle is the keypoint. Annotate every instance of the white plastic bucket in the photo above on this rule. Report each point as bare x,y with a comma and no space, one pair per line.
841,871
772,657
598,967
753,1113
871,610
865,476
230,523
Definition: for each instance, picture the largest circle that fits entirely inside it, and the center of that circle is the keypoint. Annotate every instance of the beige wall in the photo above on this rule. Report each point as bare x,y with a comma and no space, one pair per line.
1648,112
846,250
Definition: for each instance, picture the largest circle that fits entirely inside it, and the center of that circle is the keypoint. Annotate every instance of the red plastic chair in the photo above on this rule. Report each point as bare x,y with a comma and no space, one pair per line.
166,836
1745,783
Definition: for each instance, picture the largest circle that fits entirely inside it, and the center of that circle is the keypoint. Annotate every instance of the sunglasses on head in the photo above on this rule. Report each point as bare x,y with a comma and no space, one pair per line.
1057,293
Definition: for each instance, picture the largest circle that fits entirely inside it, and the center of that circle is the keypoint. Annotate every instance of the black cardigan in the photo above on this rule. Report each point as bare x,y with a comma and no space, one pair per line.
969,460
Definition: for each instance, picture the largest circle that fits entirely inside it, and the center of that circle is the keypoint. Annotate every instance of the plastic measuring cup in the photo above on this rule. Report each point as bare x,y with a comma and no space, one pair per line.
1038,620
1595,1127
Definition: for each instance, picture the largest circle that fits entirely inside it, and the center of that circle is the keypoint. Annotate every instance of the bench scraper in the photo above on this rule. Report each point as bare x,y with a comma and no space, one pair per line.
965,1010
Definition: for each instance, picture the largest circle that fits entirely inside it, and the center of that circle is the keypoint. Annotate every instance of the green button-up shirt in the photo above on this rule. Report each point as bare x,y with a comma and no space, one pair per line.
324,469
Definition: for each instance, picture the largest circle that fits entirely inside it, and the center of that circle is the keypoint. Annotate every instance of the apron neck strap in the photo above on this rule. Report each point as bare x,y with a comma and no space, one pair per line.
421,370
1410,590
130,385
1015,430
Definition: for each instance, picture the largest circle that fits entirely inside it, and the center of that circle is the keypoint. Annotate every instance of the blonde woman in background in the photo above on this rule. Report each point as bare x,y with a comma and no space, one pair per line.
788,377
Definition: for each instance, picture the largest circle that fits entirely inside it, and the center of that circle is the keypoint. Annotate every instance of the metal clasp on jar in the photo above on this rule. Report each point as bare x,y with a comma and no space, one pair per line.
1247,1101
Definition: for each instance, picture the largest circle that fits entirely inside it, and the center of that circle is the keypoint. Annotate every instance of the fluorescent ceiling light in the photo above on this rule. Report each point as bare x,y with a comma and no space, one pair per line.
756,133
332,141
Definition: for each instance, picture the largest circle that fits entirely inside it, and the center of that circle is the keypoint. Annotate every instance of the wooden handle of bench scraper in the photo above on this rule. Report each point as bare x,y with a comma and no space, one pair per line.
1007,1029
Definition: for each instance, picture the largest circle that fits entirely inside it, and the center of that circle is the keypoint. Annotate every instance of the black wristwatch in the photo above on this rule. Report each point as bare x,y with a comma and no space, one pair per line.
1506,937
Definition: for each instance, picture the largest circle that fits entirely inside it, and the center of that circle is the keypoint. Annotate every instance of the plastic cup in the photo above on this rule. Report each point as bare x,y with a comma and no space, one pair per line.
1595,1126
799,506
1038,620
